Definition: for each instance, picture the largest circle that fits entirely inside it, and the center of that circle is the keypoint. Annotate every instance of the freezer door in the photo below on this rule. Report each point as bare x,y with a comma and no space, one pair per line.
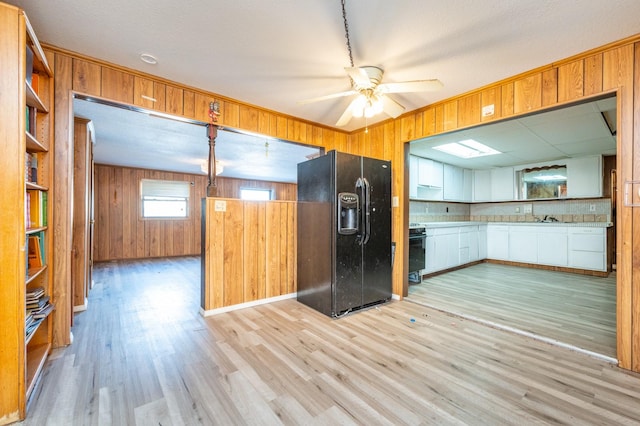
316,196
376,257
347,289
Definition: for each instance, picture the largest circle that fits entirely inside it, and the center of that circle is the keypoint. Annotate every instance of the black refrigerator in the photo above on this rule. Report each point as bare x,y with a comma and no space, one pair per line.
344,233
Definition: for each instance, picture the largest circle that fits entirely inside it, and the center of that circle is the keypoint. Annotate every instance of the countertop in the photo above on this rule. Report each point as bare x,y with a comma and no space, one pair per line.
545,224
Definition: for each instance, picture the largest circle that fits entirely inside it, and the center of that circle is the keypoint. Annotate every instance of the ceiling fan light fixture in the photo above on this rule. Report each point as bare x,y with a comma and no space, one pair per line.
358,106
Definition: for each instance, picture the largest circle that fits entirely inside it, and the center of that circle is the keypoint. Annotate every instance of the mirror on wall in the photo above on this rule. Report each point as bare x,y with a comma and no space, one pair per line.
545,182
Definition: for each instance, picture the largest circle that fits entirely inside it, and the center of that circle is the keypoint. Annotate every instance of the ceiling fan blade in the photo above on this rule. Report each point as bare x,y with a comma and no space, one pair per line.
327,97
347,115
411,86
391,107
359,77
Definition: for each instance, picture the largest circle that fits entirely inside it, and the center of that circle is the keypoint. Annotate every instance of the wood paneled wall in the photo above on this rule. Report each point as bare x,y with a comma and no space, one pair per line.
610,69
230,188
120,230
250,251
122,233
607,69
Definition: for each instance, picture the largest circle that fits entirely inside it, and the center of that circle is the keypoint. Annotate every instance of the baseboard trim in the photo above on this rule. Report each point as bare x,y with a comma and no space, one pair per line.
253,303
81,308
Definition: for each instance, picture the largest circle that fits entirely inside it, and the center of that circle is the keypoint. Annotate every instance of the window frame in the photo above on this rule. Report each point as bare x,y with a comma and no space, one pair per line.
256,190
170,191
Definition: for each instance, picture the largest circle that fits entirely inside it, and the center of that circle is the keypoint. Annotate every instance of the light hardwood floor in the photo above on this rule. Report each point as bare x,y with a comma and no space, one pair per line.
143,355
578,310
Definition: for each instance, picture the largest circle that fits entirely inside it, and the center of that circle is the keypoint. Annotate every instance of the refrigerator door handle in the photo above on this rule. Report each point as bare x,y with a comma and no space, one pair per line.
360,190
367,213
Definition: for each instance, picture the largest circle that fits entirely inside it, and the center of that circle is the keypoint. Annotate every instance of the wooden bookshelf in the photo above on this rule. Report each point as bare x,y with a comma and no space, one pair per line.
27,124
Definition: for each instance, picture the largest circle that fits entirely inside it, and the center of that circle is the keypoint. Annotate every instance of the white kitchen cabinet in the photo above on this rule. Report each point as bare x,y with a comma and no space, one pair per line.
429,173
467,185
444,249
482,242
523,244
587,248
502,184
553,245
452,182
498,242
482,185
469,249
413,176
584,177
431,255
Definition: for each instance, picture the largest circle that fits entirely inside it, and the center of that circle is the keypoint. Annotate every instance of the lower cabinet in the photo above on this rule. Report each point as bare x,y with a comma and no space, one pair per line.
523,244
587,248
498,242
553,246
448,247
579,247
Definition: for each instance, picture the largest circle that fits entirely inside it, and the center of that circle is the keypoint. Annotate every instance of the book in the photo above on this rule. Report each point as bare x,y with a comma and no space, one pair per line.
27,210
44,208
37,208
27,167
34,305
31,121
33,170
35,293
35,83
29,64
35,254
42,312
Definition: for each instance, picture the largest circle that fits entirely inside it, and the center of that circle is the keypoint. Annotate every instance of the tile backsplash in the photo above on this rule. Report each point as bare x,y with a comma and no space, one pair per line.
425,211
579,210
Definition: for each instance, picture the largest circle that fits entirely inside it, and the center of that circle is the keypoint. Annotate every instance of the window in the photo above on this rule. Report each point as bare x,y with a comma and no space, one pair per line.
164,198
255,194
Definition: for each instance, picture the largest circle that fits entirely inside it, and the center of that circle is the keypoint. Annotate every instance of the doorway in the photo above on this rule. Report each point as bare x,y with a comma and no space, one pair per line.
470,291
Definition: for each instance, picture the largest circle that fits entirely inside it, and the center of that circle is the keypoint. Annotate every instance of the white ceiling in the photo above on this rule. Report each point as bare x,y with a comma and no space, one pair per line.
125,137
574,131
276,53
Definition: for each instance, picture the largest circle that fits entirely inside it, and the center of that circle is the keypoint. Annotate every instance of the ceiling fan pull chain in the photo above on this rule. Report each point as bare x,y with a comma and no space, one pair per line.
346,31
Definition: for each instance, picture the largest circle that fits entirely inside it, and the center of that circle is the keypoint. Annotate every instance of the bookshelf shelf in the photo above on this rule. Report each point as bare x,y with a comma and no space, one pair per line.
33,100
31,185
36,357
26,293
31,231
32,333
33,145
33,273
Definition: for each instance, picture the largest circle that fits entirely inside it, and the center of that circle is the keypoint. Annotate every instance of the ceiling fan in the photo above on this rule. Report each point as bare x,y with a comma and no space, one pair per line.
372,97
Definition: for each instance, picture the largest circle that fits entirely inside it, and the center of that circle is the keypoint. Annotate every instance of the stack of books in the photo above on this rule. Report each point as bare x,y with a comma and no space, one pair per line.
37,309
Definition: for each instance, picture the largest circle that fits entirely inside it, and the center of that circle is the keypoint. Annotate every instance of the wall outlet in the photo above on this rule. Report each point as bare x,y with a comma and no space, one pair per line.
517,209
426,209
592,207
396,201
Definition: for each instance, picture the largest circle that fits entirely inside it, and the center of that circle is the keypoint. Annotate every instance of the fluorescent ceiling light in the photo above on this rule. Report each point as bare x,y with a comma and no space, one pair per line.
468,148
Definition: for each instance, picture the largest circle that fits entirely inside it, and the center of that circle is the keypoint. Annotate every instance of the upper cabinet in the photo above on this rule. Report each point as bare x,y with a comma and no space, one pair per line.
493,185
502,184
429,173
584,177
456,184
431,180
